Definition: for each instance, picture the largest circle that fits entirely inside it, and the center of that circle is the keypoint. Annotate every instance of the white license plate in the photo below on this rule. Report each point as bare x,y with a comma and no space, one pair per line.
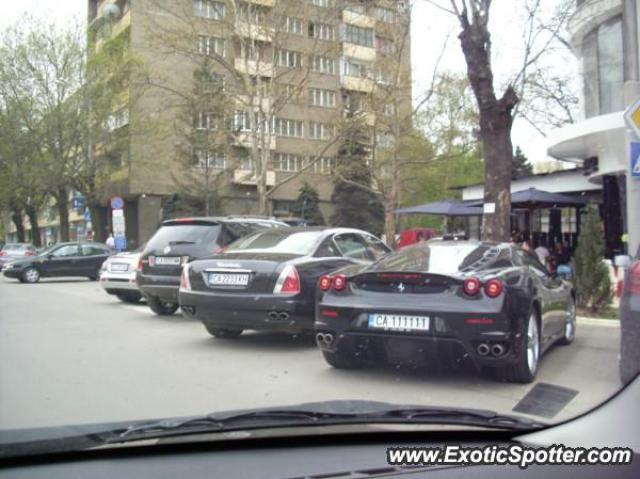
228,279
168,260
119,267
399,322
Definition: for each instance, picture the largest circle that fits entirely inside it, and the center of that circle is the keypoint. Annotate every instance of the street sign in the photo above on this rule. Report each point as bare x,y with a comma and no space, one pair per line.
117,203
634,158
632,117
120,242
78,202
117,221
87,215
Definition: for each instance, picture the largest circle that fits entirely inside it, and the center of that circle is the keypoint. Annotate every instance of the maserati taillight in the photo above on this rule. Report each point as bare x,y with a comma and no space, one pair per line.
288,281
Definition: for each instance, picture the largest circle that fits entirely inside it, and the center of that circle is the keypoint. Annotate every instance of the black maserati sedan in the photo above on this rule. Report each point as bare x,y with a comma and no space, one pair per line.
493,303
62,259
267,281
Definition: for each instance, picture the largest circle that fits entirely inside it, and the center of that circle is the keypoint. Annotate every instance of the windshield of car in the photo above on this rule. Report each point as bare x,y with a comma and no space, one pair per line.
437,257
278,241
425,202
183,234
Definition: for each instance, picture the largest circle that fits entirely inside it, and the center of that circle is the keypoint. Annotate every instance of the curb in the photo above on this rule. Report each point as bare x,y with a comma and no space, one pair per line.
612,323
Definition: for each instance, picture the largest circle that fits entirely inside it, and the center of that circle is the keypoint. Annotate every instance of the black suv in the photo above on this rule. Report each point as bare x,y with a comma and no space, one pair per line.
181,240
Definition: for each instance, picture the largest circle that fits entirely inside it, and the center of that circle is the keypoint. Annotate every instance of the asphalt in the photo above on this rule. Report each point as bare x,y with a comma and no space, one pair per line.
71,354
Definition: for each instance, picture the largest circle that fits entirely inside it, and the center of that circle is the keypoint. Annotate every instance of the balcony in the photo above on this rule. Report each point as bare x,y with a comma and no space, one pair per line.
255,32
365,85
264,3
243,139
254,67
358,19
248,177
245,101
359,52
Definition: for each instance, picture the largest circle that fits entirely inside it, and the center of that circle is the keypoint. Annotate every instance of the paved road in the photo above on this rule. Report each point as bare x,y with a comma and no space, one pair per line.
71,354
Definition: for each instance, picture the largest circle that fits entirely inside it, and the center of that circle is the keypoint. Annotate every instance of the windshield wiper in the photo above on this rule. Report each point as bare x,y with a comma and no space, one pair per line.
173,243
346,412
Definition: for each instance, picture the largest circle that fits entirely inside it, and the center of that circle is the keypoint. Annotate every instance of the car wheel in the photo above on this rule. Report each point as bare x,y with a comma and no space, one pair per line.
30,275
162,308
129,298
223,333
524,371
569,325
340,359
96,276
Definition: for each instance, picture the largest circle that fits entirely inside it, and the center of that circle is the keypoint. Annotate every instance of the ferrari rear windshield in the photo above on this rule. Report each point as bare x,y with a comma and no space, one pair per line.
279,241
439,258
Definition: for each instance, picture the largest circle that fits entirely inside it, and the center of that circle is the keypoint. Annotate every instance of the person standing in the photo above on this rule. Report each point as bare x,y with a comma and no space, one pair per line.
543,253
111,242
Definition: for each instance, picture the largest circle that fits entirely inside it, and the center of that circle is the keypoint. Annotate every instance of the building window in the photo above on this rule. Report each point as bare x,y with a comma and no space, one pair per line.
211,45
247,163
603,69
118,119
207,121
290,128
241,121
209,82
358,35
385,45
291,25
385,14
325,65
352,68
381,78
326,98
389,109
384,140
320,131
209,9
287,162
321,31
356,8
320,3
204,158
289,59
324,166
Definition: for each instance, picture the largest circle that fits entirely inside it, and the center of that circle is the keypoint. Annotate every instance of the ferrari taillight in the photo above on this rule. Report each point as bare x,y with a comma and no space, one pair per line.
471,286
493,288
288,281
140,264
339,282
324,283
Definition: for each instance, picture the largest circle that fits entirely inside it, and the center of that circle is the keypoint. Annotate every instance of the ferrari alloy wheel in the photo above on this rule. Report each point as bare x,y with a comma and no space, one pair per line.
525,368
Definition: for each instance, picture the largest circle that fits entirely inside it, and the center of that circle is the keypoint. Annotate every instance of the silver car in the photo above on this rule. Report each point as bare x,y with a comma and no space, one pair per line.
630,322
118,276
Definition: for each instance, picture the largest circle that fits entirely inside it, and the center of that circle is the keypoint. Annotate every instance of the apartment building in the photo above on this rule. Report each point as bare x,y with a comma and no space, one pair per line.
605,39
289,70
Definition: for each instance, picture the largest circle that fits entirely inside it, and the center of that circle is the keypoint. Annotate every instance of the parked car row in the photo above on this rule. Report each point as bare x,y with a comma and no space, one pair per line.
442,299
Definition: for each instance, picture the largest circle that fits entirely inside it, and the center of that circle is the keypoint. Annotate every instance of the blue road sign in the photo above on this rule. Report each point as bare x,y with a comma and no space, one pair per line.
87,214
120,242
117,203
78,202
635,160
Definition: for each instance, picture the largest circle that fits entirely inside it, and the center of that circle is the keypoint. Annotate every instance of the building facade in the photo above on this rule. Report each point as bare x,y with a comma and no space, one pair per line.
290,70
605,39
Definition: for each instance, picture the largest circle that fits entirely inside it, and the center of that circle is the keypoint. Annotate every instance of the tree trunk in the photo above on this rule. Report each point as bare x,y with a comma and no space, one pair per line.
62,200
16,217
32,213
390,227
495,127
495,130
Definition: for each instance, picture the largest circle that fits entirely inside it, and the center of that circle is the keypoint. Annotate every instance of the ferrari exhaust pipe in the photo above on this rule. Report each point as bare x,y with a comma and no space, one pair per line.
483,349
497,349
324,339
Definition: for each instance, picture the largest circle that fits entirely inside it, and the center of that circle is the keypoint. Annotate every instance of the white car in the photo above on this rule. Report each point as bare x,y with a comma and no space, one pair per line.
118,276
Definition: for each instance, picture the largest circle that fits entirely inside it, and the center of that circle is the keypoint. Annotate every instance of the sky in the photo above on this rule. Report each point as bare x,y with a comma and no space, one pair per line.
430,27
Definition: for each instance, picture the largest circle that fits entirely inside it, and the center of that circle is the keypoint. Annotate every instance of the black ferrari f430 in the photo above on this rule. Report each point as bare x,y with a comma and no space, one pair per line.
493,303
